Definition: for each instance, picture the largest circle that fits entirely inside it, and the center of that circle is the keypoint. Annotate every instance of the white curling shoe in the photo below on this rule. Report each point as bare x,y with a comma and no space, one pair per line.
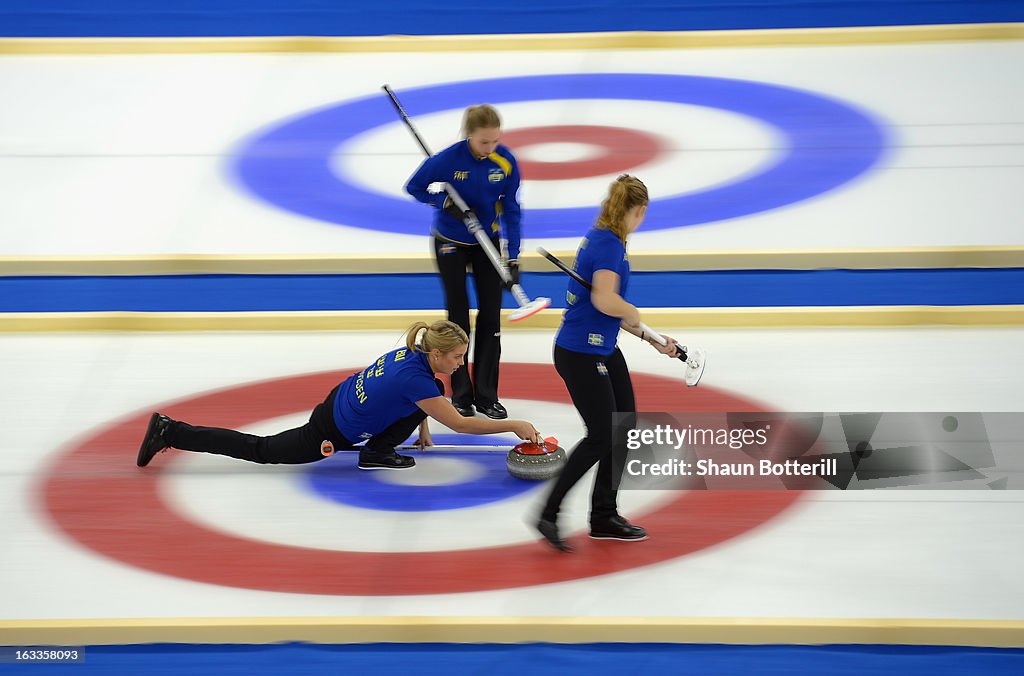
695,361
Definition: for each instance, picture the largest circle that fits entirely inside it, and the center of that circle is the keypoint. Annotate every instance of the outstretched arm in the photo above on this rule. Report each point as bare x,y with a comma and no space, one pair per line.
441,410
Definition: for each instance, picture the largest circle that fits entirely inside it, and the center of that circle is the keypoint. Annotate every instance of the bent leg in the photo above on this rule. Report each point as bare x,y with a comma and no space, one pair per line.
387,440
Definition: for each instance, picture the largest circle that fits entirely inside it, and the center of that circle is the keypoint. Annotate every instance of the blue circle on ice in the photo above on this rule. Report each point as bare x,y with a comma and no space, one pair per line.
827,143
340,480
345,483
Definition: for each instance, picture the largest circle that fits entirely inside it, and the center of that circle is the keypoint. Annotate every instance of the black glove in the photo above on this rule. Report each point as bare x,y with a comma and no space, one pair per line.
453,211
513,271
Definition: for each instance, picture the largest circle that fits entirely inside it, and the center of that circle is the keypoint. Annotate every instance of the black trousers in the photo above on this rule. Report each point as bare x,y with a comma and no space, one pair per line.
291,447
452,261
598,386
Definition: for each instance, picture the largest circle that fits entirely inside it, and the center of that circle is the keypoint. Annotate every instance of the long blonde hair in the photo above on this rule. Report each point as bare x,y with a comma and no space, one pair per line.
484,116
624,194
442,334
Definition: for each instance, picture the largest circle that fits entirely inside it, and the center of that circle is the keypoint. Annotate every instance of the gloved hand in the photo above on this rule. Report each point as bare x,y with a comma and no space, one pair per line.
513,271
453,211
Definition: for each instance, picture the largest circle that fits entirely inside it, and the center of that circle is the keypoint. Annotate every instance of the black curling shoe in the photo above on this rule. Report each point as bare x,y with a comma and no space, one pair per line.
154,441
385,460
549,529
493,411
616,528
465,410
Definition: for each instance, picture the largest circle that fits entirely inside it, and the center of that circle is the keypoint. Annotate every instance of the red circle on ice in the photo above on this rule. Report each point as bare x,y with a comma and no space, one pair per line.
618,150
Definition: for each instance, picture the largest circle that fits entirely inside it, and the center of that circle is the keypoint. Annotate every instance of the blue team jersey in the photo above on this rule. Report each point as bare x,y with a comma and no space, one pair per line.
585,328
490,186
387,390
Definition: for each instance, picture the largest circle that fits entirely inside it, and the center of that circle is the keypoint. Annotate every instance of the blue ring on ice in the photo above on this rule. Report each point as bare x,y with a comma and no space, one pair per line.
339,479
826,143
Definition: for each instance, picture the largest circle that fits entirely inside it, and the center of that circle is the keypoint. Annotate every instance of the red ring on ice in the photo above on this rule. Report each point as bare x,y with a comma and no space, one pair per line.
619,150
96,495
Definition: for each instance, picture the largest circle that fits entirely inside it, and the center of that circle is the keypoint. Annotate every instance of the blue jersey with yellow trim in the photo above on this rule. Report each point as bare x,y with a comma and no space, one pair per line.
585,328
490,186
383,393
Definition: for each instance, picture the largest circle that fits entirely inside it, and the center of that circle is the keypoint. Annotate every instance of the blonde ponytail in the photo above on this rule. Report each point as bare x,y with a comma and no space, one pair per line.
442,334
624,194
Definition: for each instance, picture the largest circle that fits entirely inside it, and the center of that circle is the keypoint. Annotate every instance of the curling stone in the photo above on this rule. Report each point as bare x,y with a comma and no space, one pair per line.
536,462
